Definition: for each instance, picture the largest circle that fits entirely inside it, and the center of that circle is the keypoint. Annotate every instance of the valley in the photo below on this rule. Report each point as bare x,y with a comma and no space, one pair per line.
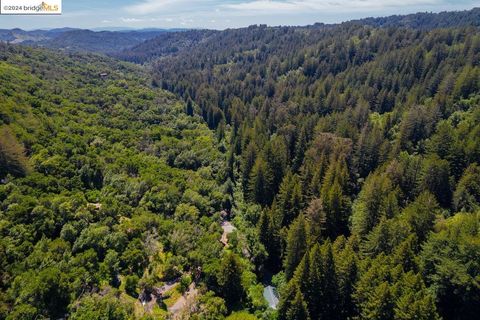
328,171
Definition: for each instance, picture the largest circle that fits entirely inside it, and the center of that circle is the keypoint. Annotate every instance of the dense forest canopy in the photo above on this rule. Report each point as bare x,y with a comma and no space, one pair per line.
345,159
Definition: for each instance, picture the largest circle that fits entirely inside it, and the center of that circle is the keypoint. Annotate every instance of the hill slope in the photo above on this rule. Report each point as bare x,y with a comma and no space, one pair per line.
95,170
357,147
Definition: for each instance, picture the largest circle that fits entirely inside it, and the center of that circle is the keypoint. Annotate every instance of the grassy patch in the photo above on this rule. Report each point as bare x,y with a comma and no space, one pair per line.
172,296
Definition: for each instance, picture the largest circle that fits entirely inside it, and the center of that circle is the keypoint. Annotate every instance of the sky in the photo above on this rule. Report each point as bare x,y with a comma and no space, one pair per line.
221,14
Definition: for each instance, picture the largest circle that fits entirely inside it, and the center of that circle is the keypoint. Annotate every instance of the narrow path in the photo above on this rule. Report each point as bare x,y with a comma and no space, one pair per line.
228,228
183,301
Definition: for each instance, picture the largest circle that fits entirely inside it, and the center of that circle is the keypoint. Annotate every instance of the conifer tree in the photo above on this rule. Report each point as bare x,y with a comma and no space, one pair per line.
335,203
300,148
289,198
286,298
379,239
436,180
296,246
314,292
329,305
275,154
316,221
336,206
298,309
380,305
347,275
404,254
189,107
269,235
229,278
248,161
376,199
302,273
316,182
260,183
413,300
467,194
420,215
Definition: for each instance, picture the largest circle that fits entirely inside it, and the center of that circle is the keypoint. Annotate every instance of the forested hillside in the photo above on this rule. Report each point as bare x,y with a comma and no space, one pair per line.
356,149
79,40
341,161
166,44
108,189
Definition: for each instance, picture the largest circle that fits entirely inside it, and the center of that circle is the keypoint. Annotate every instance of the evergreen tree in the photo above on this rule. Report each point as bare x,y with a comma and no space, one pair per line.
248,161
316,220
335,203
380,305
314,293
298,309
260,183
289,198
420,215
275,154
377,198
379,240
347,274
436,180
269,235
296,246
229,279
414,301
467,194
189,107
336,206
287,295
330,293
300,148
404,254
319,172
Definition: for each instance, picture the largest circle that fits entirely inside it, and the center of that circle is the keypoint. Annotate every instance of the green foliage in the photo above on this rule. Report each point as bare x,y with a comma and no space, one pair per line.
111,163
436,180
298,309
467,193
229,279
378,198
185,282
296,246
342,155
12,155
212,308
131,284
450,265
261,178
242,315
98,307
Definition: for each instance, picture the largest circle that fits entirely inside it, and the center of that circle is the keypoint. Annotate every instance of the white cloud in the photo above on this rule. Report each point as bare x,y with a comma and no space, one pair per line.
163,6
286,6
150,6
272,12
131,20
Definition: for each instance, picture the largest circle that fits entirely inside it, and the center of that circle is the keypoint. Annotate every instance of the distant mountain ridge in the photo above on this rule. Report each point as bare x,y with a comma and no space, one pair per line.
173,43
426,20
143,45
81,39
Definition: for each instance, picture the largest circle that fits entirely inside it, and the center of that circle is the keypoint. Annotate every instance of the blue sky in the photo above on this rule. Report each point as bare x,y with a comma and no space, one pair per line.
221,14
